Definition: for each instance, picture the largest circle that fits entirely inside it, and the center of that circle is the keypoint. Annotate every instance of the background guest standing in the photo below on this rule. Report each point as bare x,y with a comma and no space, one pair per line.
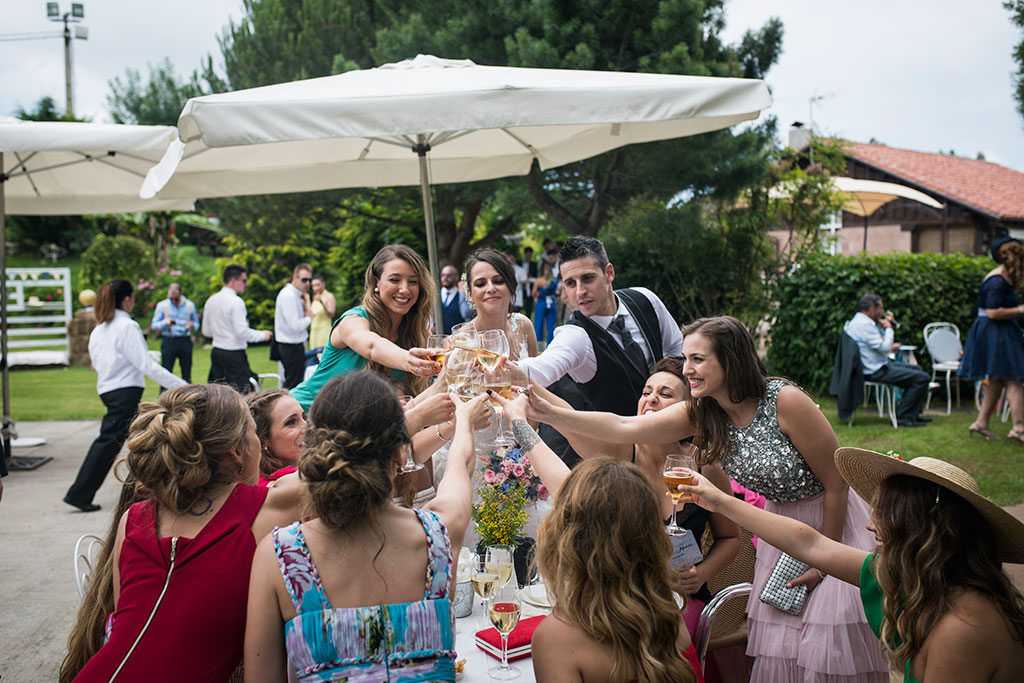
291,321
176,319
529,267
121,359
454,307
225,321
323,308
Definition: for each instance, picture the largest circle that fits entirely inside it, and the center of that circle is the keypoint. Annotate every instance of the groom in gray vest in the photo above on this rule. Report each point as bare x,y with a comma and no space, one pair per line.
599,359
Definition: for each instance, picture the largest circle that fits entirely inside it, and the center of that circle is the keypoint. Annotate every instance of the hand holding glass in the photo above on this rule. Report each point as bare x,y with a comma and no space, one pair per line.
678,470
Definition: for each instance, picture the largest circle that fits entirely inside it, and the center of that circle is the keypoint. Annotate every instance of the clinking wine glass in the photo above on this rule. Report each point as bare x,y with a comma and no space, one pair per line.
499,381
458,372
491,346
678,470
439,345
464,336
504,610
485,581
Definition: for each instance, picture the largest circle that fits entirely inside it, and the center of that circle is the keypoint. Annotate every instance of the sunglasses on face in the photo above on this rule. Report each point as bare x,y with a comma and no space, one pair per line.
307,280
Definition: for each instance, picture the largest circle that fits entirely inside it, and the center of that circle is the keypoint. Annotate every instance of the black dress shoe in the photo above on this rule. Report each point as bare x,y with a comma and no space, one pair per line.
910,423
922,418
84,507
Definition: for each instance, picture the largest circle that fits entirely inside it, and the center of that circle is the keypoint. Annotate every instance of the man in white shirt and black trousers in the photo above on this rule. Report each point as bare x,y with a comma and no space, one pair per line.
226,322
599,359
291,324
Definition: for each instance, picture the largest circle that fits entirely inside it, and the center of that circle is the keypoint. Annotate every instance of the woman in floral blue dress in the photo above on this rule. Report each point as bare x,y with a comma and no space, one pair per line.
360,591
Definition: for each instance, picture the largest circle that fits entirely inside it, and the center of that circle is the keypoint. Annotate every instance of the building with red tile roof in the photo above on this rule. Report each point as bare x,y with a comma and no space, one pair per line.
983,200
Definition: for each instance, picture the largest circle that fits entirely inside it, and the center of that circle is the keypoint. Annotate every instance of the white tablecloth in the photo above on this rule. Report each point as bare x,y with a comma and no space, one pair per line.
478,661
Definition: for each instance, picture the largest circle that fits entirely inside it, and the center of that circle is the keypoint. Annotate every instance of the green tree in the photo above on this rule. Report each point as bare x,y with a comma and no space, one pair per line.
46,110
1016,9
157,103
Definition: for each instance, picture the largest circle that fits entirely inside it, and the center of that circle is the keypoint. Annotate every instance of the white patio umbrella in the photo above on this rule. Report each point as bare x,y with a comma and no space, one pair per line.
375,127
58,168
867,196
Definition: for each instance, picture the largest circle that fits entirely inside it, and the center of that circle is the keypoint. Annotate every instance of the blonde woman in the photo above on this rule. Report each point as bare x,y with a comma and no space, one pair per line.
323,308
387,332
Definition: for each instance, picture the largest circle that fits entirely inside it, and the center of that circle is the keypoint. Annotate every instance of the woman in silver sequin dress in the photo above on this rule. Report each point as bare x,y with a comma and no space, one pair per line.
769,436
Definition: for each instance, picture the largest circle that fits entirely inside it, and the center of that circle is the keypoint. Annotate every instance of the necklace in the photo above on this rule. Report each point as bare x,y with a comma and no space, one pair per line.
200,513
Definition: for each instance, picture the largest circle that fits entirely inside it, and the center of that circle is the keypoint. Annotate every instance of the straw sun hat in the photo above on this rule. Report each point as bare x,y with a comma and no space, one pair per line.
864,470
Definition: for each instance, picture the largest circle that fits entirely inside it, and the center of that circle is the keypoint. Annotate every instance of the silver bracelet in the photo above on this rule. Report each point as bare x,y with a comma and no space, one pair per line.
819,572
437,430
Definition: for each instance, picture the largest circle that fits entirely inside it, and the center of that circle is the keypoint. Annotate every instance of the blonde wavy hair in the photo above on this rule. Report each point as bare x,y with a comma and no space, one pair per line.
1011,255
415,325
935,545
357,427
177,445
604,555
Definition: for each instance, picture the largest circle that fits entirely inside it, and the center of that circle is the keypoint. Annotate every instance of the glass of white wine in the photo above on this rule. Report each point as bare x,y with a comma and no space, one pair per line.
491,346
485,581
458,372
499,381
464,336
499,560
504,610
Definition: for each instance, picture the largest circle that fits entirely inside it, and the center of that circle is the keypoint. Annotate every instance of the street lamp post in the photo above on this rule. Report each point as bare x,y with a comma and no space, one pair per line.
76,15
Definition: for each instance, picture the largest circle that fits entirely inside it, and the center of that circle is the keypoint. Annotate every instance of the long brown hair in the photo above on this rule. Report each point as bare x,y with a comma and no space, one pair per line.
745,377
88,633
935,545
499,261
109,299
261,407
415,325
604,555
1011,255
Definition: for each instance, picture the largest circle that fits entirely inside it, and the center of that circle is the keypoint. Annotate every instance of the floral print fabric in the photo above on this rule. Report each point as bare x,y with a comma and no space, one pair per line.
407,643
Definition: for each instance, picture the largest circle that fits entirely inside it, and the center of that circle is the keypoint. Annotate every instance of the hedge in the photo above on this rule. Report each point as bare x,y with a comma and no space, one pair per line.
817,298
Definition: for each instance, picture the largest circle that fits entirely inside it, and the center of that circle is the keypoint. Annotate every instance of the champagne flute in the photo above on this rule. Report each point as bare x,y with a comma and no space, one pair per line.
678,470
499,381
491,346
499,561
464,336
458,369
504,611
410,465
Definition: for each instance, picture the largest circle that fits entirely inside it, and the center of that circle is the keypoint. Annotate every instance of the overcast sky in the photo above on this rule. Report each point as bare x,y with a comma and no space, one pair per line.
928,75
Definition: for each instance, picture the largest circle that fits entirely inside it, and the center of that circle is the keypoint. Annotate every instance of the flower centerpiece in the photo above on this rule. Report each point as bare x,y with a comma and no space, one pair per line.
510,484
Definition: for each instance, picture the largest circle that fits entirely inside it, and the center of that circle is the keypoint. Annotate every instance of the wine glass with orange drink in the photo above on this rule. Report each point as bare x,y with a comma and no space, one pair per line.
678,470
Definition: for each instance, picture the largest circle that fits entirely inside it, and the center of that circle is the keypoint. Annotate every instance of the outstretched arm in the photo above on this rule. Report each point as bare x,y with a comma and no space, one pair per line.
790,536
548,466
664,426
585,445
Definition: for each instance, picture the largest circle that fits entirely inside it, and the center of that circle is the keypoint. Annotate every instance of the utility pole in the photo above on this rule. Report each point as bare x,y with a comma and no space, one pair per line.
76,15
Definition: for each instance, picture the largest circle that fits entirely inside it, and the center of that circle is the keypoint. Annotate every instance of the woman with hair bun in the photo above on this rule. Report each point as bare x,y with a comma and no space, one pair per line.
121,359
994,350
341,596
181,556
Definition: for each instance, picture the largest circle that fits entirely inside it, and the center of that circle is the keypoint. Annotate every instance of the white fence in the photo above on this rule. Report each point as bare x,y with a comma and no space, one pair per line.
38,313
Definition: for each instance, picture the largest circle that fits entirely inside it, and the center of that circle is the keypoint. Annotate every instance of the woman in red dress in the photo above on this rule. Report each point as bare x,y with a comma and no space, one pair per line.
182,556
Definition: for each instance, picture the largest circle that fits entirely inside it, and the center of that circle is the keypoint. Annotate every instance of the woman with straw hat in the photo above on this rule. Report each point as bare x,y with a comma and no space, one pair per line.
934,590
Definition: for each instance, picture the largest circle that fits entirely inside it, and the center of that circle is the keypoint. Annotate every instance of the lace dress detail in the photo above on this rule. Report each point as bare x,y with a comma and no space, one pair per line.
763,459
519,325
405,642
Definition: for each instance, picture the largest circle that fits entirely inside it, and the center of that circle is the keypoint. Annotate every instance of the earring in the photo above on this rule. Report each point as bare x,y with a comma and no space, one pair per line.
472,304
376,290
241,466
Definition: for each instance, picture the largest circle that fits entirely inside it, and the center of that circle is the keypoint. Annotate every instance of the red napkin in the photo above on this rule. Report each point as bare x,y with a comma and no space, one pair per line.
489,640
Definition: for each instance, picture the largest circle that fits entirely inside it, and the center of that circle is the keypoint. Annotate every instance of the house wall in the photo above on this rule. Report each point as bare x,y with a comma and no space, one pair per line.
960,239
881,239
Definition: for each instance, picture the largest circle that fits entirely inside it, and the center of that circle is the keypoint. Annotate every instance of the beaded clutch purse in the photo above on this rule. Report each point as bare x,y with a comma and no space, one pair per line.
775,593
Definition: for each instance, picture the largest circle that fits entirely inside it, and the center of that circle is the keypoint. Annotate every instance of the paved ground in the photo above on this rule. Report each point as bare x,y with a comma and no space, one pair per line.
37,539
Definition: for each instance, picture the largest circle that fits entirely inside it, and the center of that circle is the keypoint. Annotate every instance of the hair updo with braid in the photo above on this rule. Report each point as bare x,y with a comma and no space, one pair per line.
177,445
357,427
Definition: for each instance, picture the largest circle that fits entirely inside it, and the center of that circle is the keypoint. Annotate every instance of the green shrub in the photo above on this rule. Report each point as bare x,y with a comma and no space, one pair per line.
117,257
817,298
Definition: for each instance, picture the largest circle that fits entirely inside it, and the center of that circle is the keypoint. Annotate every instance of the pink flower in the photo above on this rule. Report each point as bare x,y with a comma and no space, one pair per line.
518,470
489,476
500,478
526,461
175,272
542,492
162,270
506,466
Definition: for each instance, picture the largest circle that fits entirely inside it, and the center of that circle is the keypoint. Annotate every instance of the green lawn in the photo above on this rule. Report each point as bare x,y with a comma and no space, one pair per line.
70,394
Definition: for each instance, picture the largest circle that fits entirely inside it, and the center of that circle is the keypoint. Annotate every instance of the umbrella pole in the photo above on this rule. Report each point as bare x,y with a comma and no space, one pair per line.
421,150
7,428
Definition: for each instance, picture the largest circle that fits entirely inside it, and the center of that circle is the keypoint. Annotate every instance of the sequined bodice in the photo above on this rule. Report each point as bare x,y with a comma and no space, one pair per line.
763,459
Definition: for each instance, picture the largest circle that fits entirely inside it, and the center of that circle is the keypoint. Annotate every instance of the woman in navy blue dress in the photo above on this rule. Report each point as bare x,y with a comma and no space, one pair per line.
995,344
